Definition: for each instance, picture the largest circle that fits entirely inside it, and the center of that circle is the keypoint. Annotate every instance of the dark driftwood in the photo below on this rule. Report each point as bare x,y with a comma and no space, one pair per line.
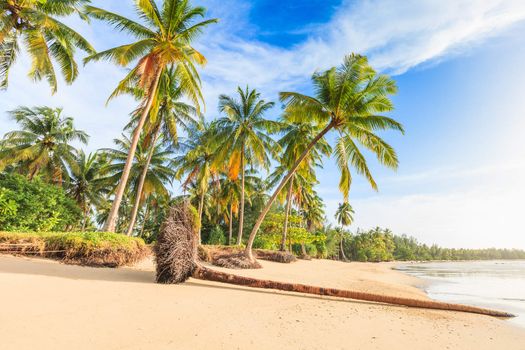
176,255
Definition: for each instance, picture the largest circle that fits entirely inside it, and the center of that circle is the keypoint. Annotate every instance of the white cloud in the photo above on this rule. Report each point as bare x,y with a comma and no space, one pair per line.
484,209
397,36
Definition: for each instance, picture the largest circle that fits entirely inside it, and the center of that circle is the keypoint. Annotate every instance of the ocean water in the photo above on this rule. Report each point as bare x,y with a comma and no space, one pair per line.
493,284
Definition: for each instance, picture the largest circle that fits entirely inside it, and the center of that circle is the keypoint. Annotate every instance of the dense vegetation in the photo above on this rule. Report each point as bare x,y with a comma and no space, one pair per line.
84,248
35,206
252,176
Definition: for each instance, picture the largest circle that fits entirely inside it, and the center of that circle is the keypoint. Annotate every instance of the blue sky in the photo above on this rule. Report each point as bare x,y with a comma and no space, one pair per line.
460,97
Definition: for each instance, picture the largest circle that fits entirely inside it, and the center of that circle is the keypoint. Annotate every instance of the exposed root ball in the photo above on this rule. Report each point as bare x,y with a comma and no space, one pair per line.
235,261
276,256
176,247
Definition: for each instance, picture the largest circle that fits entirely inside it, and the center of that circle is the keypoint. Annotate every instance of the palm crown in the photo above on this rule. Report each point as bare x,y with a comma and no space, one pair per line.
345,214
43,144
351,99
44,36
163,39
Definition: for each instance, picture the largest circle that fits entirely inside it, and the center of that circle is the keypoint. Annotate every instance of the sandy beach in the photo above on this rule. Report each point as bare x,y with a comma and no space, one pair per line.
48,305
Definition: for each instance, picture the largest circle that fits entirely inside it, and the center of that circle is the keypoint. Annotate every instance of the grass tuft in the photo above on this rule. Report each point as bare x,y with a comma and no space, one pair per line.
80,248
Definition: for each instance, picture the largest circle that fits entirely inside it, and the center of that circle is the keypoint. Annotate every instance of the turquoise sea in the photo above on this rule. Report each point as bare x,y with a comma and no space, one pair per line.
495,284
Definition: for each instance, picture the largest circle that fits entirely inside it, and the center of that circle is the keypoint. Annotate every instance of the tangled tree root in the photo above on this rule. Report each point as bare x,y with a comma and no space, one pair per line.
176,255
235,261
275,256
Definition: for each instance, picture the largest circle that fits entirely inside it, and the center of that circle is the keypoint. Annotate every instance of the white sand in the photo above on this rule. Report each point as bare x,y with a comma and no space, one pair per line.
47,305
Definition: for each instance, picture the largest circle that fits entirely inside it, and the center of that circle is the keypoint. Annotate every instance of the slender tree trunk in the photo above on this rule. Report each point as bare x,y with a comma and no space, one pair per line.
207,274
85,218
113,214
248,251
136,205
241,212
303,250
286,214
146,217
230,232
343,256
201,208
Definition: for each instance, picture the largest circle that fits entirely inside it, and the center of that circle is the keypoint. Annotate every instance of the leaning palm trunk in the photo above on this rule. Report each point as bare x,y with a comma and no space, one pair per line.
286,215
241,212
176,257
248,251
140,188
113,214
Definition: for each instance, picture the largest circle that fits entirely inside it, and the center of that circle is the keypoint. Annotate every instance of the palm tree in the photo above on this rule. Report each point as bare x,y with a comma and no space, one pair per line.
344,216
166,115
43,145
158,173
230,194
313,211
243,135
165,39
297,136
195,164
86,185
45,37
349,99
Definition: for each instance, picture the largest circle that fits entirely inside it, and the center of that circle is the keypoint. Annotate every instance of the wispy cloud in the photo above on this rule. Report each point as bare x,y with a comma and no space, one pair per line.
397,36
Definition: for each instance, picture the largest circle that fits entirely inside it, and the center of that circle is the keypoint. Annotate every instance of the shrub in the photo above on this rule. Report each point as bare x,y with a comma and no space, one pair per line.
82,248
35,206
216,236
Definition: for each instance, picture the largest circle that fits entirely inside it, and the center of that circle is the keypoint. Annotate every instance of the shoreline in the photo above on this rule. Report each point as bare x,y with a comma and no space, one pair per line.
64,306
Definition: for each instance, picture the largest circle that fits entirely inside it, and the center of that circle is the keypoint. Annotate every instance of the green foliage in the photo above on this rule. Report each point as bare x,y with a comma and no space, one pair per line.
35,206
382,245
272,228
216,236
42,145
85,248
34,23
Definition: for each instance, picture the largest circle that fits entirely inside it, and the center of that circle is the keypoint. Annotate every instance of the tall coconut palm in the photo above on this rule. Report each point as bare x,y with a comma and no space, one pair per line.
167,114
86,185
345,217
164,39
350,100
244,135
43,145
158,173
195,164
229,195
46,39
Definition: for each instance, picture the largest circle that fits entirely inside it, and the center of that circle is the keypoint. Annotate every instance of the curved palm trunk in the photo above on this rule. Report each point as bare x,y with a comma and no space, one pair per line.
113,214
286,215
140,188
248,251
230,232
204,273
241,212
342,254
201,209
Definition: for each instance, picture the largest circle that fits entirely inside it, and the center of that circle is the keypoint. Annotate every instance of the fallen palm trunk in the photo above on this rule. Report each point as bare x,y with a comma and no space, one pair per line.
176,256
204,273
